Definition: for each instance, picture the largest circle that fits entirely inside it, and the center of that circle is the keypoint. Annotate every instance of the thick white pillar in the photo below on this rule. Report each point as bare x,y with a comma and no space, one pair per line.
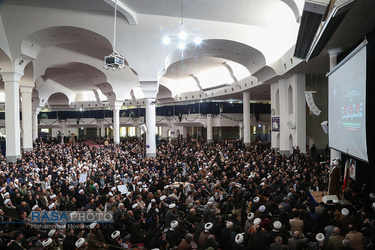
151,125
35,123
264,132
139,131
333,57
116,122
12,115
27,137
300,111
173,130
220,133
102,130
199,132
165,132
209,128
184,133
275,116
246,118
284,118
292,113
63,130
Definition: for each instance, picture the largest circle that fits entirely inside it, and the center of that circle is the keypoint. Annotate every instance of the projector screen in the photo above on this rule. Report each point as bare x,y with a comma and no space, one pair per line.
347,106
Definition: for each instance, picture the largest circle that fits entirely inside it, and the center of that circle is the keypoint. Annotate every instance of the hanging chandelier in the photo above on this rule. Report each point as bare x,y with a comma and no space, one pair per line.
114,60
181,36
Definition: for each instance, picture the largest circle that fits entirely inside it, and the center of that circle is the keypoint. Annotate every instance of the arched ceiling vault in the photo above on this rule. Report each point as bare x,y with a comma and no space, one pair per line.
66,42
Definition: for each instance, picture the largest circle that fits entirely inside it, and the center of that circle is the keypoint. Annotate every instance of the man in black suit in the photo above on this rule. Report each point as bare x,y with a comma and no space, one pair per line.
259,240
278,244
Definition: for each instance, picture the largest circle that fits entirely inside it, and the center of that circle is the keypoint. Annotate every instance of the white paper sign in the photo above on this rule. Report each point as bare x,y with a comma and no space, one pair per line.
82,177
122,188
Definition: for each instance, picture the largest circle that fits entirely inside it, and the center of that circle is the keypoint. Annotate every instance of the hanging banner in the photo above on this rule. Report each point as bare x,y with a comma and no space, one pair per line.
275,122
310,102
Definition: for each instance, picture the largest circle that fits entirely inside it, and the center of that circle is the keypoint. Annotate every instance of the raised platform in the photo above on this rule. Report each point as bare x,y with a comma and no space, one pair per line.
318,195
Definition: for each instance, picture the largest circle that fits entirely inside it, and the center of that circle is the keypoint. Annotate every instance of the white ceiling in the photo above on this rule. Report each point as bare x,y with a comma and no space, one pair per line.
241,38
248,12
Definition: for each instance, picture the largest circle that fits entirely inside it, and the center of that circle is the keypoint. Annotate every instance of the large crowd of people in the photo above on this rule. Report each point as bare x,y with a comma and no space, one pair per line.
192,195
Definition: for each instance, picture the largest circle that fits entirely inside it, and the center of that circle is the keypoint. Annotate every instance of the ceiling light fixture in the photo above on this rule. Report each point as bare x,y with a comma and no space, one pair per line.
114,60
181,37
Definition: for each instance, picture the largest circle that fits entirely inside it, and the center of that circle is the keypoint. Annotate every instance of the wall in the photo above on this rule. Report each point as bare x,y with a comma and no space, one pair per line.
313,122
71,129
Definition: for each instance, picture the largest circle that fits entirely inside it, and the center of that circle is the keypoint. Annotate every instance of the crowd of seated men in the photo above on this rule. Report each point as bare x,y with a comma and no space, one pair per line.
192,195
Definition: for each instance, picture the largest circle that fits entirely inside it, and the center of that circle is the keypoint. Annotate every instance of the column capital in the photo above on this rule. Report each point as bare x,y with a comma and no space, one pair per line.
335,51
116,105
26,89
151,101
37,110
11,76
246,118
149,88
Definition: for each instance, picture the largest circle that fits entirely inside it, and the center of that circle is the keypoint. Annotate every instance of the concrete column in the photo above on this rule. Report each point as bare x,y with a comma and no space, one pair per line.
116,122
98,132
84,132
284,117
12,115
63,130
220,133
165,132
151,126
27,136
102,130
199,132
292,113
246,118
35,123
264,132
300,111
276,111
173,130
209,129
139,131
240,131
184,132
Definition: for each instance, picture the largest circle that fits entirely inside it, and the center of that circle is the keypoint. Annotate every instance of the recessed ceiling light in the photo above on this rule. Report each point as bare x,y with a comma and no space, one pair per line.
166,40
182,34
181,46
197,40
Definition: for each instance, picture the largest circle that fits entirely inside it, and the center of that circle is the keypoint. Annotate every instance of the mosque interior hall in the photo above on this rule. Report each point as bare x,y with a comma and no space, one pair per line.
286,74
191,124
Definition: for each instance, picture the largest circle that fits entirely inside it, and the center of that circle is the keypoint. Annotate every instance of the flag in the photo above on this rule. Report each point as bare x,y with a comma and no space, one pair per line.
345,185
